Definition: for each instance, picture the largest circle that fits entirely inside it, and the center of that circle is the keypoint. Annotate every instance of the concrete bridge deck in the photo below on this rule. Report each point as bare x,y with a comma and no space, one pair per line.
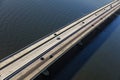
31,61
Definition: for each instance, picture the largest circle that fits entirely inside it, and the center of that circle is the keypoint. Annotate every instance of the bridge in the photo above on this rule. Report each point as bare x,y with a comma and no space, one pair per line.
34,59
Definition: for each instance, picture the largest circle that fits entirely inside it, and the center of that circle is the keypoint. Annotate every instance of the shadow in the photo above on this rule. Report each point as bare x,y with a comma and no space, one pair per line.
69,64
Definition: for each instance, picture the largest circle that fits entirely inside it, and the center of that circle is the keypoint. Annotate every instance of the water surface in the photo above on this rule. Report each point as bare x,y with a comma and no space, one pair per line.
105,63
99,60
25,21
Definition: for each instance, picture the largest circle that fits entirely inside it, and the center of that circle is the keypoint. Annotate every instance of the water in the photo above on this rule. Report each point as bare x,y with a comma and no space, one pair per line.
104,64
25,21
100,60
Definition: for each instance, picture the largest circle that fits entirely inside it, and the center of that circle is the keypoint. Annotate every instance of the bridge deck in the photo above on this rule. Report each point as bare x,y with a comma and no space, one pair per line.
27,63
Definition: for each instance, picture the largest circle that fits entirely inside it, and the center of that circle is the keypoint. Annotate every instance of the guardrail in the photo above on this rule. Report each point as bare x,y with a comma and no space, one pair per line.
33,60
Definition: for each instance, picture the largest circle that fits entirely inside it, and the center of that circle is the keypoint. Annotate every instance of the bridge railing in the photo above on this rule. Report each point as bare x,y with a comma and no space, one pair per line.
33,60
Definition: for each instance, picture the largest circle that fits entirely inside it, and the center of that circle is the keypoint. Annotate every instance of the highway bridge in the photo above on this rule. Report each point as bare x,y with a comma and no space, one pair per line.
34,59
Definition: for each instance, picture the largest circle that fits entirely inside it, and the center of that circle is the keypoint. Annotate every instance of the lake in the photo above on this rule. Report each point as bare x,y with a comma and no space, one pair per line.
25,21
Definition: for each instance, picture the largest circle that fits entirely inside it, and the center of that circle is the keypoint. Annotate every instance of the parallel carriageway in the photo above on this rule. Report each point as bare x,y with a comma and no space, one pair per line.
34,59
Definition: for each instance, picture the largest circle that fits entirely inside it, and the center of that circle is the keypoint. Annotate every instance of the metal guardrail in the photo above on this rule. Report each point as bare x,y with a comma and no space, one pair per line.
27,63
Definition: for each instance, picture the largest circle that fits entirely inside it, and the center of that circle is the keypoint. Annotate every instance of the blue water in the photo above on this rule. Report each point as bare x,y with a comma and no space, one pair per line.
100,60
25,21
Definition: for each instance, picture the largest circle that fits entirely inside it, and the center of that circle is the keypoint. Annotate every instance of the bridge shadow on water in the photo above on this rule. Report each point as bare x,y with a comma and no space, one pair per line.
69,64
